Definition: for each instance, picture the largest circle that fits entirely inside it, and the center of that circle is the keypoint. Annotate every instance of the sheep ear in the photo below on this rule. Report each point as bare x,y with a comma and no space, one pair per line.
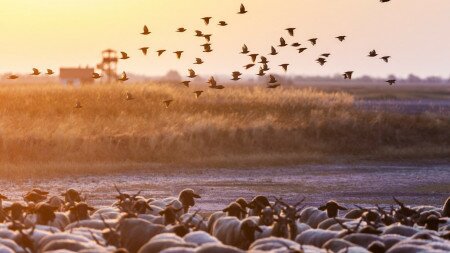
162,212
226,210
258,229
323,208
196,196
90,208
442,221
342,208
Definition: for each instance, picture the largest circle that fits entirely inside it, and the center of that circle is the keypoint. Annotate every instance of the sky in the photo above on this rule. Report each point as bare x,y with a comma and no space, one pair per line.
55,33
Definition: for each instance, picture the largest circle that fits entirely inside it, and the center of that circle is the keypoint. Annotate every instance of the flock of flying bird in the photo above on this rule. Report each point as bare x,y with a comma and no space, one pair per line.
272,82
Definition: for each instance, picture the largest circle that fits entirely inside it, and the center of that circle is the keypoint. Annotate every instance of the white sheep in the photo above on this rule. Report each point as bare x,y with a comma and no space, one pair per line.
232,231
312,216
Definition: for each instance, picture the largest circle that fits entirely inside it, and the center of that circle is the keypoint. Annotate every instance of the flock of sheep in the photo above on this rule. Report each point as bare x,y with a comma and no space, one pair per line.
66,223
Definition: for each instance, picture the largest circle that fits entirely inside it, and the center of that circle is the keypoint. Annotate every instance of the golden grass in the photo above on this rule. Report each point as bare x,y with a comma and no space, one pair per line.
230,127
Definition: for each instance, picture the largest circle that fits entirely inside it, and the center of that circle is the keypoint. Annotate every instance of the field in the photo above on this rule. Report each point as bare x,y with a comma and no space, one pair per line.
42,134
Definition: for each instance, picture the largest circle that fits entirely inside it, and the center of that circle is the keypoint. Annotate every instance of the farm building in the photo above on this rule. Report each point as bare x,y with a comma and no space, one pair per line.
76,76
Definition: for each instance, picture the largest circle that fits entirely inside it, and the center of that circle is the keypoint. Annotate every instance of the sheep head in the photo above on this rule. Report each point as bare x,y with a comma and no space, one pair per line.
170,215
234,209
332,208
266,217
17,210
242,202
34,197
433,221
291,211
446,208
71,196
258,203
141,206
45,213
248,229
81,211
187,198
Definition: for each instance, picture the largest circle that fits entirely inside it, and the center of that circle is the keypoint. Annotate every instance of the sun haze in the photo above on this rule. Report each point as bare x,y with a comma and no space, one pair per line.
55,33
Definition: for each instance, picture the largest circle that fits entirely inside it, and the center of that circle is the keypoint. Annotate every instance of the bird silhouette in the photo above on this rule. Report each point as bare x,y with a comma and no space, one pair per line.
282,42
242,10
273,51
341,38
290,31
385,1
198,93
245,49
146,31
207,48
167,103
50,72
236,75
372,53
296,44
129,96
261,72
265,67
144,50
273,86
348,75
35,72
313,41
391,82
385,58
178,53
207,37
263,60
272,79
301,50
124,77
222,23
198,33
12,77
198,61
160,52
191,73
253,57
321,61
284,66
181,30
326,55
249,66
124,56
212,82
186,83
77,105
206,20
96,75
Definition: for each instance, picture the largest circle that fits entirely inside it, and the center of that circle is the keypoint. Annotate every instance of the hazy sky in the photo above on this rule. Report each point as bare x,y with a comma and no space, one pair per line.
54,33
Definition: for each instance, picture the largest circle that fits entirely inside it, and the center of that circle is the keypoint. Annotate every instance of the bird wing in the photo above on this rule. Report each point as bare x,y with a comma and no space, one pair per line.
242,9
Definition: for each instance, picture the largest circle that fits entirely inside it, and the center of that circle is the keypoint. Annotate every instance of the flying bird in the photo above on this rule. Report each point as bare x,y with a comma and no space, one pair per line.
273,86
385,1
124,77
12,77
222,23
198,93
198,61
242,10
253,56
263,60
212,82
385,58
186,83
160,52
273,51
326,55
146,31
178,53
35,72
321,61
301,50
290,31
198,33
284,66
50,72
245,49
372,53
167,103
348,75
96,75
207,37
391,82
265,67
261,72
249,66
207,48
313,41
282,42
144,50
124,56
181,30
272,79
296,44
191,73
341,38
236,75
206,20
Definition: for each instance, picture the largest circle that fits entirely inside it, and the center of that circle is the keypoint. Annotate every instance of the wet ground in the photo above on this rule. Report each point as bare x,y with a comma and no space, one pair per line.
350,184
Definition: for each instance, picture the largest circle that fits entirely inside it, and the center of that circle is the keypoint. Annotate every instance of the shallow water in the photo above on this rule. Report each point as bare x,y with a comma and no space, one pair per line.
350,184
